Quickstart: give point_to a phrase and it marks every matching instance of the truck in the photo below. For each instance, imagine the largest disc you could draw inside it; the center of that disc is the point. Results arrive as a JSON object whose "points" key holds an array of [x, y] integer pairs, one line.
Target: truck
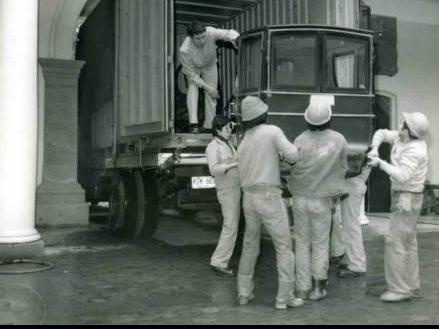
{"points": [[133, 152]]}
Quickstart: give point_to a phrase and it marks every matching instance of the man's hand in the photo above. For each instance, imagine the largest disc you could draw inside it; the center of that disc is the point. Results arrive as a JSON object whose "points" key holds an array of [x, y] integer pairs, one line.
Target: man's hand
{"points": [[373, 153], [374, 161], [212, 92]]}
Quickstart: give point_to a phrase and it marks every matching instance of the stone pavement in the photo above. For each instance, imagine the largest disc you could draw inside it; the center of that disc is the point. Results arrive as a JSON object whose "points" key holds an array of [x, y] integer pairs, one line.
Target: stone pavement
{"points": [[98, 279]]}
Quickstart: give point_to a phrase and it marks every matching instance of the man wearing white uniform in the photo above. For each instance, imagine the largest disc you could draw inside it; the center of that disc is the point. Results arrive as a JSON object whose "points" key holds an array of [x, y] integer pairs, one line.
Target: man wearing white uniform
{"points": [[259, 171], [316, 180], [222, 158], [407, 171], [199, 60]]}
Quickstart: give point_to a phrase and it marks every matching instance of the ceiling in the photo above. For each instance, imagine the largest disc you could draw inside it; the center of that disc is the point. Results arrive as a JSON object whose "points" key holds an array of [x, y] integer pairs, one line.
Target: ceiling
{"points": [[212, 12]]}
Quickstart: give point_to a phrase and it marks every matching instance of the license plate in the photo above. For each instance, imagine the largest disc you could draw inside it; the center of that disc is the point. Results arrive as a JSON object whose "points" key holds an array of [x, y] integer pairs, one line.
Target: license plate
{"points": [[202, 182]]}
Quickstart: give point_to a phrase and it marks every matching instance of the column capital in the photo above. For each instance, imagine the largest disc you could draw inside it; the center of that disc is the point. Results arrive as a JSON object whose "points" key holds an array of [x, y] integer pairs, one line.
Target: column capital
{"points": [[60, 70]]}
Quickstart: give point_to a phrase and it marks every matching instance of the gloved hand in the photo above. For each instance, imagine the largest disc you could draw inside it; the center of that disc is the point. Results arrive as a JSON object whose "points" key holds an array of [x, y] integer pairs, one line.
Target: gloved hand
{"points": [[374, 161]]}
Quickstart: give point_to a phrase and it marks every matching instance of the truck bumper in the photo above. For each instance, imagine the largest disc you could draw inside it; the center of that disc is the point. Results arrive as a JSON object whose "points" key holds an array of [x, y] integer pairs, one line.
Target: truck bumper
{"points": [[198, 199]]}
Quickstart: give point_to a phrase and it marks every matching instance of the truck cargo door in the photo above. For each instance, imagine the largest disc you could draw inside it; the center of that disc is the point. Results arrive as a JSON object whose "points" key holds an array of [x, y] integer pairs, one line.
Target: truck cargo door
{"points": [[142, 82]]}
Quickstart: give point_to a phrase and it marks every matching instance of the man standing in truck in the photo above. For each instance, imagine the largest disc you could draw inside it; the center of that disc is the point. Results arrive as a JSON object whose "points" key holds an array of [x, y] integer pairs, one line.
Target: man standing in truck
{"points": [[407, 171], [199, 60], [259, 171], [222, 159]]}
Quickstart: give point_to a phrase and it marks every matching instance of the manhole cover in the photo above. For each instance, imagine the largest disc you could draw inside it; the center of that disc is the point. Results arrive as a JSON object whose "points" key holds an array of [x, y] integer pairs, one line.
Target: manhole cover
{"points": [[21, 305]]}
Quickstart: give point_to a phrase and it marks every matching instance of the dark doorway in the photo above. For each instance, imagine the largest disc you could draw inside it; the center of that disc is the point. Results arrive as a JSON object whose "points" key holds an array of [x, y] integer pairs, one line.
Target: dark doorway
{"points": [[95, 46], [378, 191]]}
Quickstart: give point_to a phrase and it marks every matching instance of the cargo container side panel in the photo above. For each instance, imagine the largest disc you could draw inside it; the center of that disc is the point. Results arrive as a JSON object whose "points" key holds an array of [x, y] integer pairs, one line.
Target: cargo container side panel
{"points": [[266, 12], [142, 67]]}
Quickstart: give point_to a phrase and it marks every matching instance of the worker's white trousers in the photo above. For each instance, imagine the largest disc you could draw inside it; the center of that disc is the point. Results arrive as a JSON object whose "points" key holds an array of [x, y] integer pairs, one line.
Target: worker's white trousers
{"points": [[401, 263], [355, 255], [266, 208], [312, 225], [210, 76], [337, 245], [230, 201]]}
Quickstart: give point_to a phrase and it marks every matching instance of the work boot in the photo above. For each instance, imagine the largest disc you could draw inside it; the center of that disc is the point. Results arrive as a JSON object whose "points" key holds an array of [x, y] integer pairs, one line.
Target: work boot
{"points": [[336, 260], [318, 292], [416, 293], [194, 128], [244, 300], [303, 294], [225, 271], [291, 301], [347, 273], [394, 297]]}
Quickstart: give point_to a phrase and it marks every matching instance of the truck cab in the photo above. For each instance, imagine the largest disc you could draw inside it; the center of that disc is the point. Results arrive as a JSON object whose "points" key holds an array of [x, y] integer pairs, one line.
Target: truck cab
{"points": [[285, 65]]}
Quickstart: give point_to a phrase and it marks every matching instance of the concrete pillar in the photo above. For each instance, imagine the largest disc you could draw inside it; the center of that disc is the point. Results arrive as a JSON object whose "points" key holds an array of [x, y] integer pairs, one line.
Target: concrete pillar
{"points": [[18, 129], [60, 199]]}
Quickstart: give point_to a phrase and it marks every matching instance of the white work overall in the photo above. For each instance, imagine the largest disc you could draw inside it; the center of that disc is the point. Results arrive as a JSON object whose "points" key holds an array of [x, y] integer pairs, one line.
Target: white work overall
{"points": [[352, 233], [210, 75], [265, 207], [407, 171], [312, 225], [337, 243], [316, 178], [220, 153], [200, 68], [401, 246]]}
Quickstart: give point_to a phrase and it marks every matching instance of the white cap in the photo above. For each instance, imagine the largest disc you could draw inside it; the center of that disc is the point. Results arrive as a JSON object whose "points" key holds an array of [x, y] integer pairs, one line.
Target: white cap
{"points": [[417, 123], [319, 110], [252, 107]]}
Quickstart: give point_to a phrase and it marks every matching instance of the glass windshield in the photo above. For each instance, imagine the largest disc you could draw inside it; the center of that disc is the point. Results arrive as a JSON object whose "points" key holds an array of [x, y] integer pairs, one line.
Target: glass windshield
{"points": [[250, 64], [293, 61], [347, 62]]}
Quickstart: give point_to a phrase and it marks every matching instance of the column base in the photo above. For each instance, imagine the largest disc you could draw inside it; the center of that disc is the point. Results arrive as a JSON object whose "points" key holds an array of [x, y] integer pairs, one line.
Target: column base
{"points": [[61, 205], [28, 250]]}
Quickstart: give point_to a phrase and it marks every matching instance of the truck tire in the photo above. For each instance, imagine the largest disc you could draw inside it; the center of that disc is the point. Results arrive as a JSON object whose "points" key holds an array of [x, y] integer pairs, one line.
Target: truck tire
{"points": [[137, 210], [118, 204], [152, 201]]}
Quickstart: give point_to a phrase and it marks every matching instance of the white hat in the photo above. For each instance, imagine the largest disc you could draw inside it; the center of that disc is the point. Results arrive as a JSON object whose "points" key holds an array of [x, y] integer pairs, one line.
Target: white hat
{"points": [[417, 123], [318, 111], [252, 107]]}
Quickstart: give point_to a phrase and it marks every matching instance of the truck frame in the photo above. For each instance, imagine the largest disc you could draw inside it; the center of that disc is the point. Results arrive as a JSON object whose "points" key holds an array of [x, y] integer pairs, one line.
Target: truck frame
{"points": [[134, 165]]}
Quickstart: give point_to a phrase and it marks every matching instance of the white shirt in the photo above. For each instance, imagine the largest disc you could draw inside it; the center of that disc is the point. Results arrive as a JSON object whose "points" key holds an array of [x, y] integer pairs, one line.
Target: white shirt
{"points": [[193, 58], [219, 154], [258, 155], [409, 161], [322, 165]]}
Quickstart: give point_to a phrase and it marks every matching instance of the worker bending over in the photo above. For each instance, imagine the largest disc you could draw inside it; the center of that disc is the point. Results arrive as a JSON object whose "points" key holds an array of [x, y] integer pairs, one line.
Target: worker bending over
{"points": [[199, 60]]}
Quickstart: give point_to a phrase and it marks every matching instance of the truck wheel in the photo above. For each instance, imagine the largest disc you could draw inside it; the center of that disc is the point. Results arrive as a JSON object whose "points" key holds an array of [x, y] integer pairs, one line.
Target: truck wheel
{"points": [[136, 209], [117, 205], [151, 201]]}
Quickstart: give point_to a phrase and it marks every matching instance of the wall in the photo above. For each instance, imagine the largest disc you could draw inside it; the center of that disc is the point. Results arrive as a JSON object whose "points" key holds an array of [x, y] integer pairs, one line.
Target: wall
{"points": [[57, 22], [416, 84]]}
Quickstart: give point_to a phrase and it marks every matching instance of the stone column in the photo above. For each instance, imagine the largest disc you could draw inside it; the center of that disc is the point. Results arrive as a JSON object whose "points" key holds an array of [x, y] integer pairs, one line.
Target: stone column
{"points": [[60, 199], [18, 129]]}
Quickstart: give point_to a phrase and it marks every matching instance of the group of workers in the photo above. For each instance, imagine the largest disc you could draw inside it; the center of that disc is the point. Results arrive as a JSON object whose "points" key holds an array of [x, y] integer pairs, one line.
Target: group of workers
{"points": [[320, 182], [319, 178]]}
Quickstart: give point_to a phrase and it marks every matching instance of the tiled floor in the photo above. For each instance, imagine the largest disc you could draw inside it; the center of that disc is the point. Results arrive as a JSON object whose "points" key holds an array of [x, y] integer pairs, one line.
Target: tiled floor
{"points": [[97, 279]]}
